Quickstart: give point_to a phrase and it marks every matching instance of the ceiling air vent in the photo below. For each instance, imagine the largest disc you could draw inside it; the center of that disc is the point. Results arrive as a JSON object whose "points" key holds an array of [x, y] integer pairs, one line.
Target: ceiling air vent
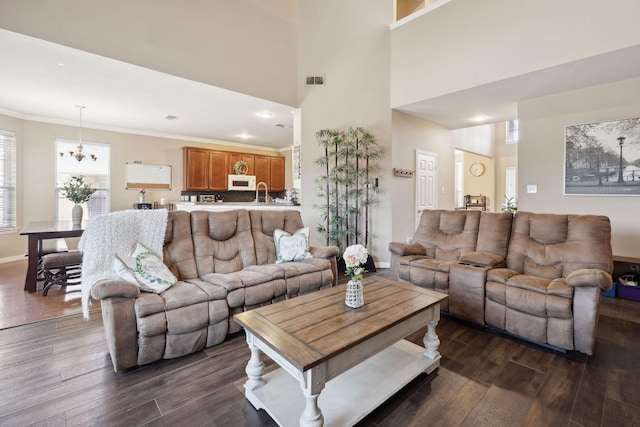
{"points": [[315, 81], [170, 117], [280, 125]]}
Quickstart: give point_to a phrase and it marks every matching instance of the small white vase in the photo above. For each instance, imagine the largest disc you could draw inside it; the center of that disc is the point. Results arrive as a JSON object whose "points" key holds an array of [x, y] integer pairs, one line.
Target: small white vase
{"points": [[355, 296], [76, 215], [141, 198]]}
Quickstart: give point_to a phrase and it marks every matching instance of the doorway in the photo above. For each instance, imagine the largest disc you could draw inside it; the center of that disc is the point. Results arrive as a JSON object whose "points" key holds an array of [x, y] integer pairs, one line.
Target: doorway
{"points": [[426, 183]]}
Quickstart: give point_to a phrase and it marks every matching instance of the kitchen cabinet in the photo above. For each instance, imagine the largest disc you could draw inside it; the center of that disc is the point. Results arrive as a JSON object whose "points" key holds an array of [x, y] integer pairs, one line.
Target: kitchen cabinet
{"points": [[235, 157], [204, 169], [270, 170], [263, 170], [277, 173], [207, 170]]}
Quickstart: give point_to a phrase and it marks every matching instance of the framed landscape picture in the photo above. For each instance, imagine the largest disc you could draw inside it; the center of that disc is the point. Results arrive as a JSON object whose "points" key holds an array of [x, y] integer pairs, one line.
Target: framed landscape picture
{"points": [[603, 158]]}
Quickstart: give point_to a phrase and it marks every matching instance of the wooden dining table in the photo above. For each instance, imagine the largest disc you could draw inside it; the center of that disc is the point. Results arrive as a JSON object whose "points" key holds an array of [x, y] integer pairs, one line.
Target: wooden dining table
{"points": [[37, 232]]}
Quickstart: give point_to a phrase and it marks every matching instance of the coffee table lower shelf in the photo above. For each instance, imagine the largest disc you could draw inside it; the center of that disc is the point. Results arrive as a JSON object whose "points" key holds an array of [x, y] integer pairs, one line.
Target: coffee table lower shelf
{"points": [[349, 397]]}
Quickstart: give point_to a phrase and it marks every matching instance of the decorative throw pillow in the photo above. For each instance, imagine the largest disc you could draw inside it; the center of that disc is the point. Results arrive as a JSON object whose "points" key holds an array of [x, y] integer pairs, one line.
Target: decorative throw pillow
{"points": [[144, 269], [291, 247]]}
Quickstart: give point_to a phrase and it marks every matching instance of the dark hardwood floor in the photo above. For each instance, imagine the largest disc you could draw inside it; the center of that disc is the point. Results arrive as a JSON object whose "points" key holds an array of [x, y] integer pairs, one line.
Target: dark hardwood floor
{"points": [[58, 373]]}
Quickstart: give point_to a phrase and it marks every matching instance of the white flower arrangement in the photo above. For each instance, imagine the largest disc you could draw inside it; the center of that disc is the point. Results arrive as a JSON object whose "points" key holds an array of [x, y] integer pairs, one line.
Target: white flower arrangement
{"points": [[355, 256]]}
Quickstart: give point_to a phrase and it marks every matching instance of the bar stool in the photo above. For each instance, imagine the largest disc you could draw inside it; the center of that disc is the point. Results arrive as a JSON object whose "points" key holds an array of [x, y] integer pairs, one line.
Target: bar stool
{"points": [[61, 268]]}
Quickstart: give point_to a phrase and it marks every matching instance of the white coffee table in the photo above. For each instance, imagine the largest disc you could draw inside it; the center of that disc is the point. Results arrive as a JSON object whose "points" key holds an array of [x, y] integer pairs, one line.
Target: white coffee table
{"points": [[345, 361]]}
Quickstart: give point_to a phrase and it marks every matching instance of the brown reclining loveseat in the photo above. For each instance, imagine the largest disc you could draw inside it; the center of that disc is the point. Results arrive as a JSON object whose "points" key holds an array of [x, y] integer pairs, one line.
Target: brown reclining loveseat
{"points": [[537, 276]]}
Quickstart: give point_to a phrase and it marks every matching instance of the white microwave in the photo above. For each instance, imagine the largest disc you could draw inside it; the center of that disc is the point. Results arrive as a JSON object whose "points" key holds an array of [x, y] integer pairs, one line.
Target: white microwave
{"points": [[242, 183]]}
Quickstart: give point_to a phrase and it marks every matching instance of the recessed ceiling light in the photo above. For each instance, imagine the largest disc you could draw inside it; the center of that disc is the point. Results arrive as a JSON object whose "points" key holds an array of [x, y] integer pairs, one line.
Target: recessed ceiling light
{"points": [[479, 118], [171, 117], [265, 115]]}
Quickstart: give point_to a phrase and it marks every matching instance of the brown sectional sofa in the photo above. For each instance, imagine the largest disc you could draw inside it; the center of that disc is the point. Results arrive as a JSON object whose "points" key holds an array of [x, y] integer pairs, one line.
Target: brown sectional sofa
{"points": [[225, 264], [537, 276]]}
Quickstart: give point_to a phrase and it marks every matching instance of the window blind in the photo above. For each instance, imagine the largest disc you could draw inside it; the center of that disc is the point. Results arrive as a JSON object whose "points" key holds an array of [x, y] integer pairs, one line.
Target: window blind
{"points": [[7, 180]]}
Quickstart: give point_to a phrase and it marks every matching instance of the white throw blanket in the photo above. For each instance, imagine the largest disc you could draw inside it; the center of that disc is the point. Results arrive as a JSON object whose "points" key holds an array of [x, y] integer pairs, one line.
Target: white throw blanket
{"points": [[112, 233]]}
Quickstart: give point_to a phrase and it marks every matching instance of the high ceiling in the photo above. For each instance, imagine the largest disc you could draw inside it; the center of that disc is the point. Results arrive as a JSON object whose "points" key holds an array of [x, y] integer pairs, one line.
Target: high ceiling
{"points": [[498, 101], [46, 81]]}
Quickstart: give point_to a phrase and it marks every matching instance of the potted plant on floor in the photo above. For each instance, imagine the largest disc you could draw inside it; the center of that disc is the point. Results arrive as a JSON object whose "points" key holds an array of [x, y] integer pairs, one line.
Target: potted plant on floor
{"points": [[78, 192], [347, 186]]}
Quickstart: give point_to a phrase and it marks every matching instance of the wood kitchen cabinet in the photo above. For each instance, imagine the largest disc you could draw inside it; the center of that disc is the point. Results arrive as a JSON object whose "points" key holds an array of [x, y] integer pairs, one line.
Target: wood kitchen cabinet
{"points": [[205, 169], [263, 170], [249, 158], [277, 173], [270, 170]]}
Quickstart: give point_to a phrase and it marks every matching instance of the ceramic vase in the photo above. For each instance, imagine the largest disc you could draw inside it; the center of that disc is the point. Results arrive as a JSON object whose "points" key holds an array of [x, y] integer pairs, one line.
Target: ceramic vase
{"points": [[142, 198], [355, 296], [76, 215]]}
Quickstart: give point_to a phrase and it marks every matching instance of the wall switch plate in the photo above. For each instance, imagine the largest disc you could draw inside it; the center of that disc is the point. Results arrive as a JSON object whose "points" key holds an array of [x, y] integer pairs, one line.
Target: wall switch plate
{"points": [[532, 188]]}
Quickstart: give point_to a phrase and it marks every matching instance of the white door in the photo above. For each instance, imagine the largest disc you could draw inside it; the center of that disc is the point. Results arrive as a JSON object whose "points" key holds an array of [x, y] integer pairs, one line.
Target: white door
{"points": [[426, 182]]}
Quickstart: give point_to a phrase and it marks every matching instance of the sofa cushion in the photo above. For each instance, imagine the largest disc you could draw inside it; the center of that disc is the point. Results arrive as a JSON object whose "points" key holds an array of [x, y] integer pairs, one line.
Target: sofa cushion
{"points": [[182, 294], [553, 246], [446, 235], [222, 241], [291, 247], [178, 252]]}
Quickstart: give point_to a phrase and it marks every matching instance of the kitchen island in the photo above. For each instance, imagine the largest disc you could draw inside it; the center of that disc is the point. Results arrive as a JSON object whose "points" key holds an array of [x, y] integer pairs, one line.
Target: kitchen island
{"points": [[227, 206]]}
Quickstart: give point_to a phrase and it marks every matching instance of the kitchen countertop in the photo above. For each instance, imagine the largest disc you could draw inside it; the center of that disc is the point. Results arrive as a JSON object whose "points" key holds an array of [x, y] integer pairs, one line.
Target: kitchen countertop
{"points": [[224, 206]]}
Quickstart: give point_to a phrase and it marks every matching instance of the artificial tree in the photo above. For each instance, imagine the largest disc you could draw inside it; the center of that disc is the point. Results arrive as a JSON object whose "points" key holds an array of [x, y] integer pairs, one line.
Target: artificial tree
{"points": [[349, 165]]}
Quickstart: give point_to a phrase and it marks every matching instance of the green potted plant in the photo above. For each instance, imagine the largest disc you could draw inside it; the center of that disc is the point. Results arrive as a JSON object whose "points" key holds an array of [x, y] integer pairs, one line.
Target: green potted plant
{"points": [[77, 191], [347, 187], [509, 205]]}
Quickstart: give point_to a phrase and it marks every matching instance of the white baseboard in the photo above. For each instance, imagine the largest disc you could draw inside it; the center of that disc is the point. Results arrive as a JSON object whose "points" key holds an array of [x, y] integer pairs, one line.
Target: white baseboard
{"points": [[12, 259], [385, 264]]}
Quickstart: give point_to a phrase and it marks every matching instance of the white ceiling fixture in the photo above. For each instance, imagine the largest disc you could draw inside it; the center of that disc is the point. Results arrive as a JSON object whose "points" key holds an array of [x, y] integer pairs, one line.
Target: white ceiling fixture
{"points": [[128, 98], [78, 154]]}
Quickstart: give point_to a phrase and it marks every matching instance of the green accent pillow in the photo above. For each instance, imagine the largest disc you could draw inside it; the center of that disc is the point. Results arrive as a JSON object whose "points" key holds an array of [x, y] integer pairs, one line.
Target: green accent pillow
{"points": [[144, 269], [291, 247]]}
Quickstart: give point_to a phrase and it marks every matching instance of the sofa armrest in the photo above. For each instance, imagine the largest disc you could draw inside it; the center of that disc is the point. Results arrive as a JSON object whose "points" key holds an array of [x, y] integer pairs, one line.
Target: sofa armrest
{"points": [[590, 277], [403, 249], [398, 250], [483, 259], [330, 253], [114, 289], [118, 300], [324, 251]]}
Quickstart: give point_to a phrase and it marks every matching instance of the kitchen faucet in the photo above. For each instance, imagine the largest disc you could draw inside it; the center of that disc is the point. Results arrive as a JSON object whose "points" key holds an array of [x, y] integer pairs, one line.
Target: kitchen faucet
{"points": [[266, 192]]}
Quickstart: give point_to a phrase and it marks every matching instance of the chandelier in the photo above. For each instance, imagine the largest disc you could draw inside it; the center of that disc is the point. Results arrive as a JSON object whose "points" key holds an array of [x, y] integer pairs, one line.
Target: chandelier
{"points": [[78, 154]]}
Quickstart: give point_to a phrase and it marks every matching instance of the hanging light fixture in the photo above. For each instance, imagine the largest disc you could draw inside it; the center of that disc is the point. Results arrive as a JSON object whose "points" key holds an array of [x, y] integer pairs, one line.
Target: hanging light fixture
{"points": [[78, 154]]}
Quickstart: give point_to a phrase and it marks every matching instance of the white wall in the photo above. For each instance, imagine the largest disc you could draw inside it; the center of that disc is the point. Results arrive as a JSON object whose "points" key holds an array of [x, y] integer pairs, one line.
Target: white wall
{"points": [[469, 43], [247, 46], [36, 168], [541, 156], [506, 155], [410, 134], [348, 43]]}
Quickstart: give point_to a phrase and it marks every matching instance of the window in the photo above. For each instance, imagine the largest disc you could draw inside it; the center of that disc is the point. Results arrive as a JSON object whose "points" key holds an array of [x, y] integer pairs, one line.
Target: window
{"points": [[7, 180], [512, 131], [94, 172]]}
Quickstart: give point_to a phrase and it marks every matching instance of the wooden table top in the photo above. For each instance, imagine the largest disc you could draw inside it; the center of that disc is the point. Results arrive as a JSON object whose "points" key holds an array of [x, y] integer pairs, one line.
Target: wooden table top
{"points": [[313, 328], [52, 227]]}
